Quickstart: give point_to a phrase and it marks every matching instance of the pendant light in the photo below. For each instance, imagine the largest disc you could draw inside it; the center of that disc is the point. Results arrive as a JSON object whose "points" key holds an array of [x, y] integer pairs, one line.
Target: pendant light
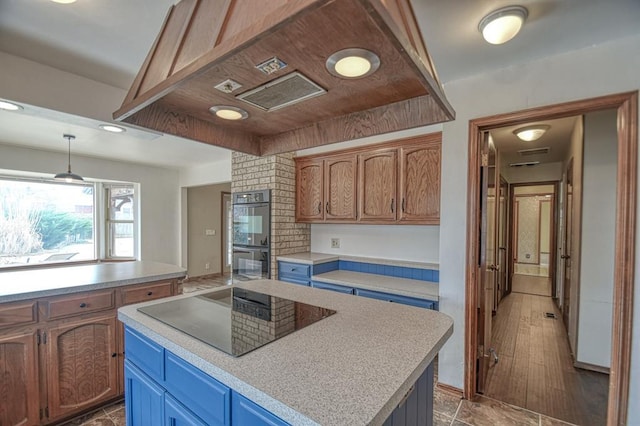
{"points": [[68, 176]]}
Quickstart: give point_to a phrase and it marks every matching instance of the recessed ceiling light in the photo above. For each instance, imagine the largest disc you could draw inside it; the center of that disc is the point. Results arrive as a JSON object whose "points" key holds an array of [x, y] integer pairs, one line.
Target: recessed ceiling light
{"points": [[531, 133], [502, 25], [64, 1], [227, 112], [10, 106], [353, 63], [112, 128]]}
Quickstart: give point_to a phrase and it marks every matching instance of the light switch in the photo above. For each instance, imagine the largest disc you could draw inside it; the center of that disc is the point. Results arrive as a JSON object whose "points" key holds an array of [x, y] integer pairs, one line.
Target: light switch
{"points": [[209, 232]]}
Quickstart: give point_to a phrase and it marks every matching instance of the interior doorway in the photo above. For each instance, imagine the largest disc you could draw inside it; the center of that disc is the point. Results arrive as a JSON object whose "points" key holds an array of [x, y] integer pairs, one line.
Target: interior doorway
{"points": [[623, 268]]}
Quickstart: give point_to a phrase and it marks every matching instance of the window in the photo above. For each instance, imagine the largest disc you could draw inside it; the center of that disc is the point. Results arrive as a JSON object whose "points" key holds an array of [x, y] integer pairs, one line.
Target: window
{"points": [[119, 221], [43, 221]]}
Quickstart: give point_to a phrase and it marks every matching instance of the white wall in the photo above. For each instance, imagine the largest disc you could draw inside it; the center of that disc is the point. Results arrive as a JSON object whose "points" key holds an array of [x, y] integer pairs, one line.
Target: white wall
{"points": [[594, 71], [207, 174], [159, 193], [546, 172], [418, 243], [598, 238]]}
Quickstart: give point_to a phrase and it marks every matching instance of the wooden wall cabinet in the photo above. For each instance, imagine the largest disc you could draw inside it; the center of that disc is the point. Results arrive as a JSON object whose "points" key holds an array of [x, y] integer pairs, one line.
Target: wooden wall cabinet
{"points": [[395, 183], [326, 189], [62, 355]]}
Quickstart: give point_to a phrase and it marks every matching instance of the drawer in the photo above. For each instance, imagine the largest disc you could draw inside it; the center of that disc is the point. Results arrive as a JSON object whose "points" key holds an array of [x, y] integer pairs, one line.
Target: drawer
{"points": [[295, 280], [205, 396], [294, 269], [405, 300], [332, 287], [246, 412], [19, 313], [147, 292], [78, 304], [145, 354]]}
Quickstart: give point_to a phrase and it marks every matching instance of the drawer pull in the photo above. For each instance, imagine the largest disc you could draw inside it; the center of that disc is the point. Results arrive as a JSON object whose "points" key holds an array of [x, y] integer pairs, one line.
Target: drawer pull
{"points": [[149, 293], [83, 305], [113, 355]]}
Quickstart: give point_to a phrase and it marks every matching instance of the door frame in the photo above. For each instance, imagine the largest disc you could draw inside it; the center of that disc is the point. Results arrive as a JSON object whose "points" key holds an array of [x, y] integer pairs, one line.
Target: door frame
{"points": [[223, 248], [625, 231]]}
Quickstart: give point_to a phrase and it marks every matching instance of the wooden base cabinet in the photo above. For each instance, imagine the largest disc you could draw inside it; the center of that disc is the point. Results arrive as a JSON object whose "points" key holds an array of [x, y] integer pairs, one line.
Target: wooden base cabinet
{"points": [[19, 387], [82, 365]]}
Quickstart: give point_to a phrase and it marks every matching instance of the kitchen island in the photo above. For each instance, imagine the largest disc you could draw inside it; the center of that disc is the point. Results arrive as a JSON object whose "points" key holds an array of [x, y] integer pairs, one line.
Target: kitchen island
{"points": [[353, 367]]}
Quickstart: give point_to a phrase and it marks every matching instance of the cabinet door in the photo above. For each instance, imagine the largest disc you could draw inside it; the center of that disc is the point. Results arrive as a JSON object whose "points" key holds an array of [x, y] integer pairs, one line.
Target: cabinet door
{"points": [[377, 191], [19, 379], [82, 365], [420, 184], [245, 412], [176, 414], [309, 190], [340, 187], [144, 399]]}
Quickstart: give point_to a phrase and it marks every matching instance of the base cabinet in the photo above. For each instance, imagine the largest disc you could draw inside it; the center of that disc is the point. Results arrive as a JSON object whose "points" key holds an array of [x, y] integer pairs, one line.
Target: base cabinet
{"points": [[246, 412], [176, 414], [144, 399], [19, 379]]}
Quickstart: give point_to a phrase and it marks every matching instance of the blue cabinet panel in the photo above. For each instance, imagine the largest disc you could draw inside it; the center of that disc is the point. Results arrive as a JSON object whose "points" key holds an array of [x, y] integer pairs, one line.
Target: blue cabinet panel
{"points": [[176, 414], [421, 303], [145, 354], [332, 287], [294, 269], [245, 412], [143, 398], [205, 396], [294, 280], [321, 268], [416, 409]]}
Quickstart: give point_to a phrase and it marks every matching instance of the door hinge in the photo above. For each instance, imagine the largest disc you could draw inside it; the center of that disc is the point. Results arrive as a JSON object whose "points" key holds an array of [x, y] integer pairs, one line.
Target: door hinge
{"points": [[480, 351], [484, 160]]}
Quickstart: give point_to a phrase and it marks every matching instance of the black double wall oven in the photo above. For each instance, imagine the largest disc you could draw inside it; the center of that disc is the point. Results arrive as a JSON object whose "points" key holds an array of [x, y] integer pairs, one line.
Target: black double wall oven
{"points": [[251, 235]]}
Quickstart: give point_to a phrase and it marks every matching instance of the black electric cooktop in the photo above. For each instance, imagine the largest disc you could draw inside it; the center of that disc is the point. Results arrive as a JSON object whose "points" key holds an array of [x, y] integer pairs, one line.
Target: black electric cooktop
{"points": [[236, 320]]}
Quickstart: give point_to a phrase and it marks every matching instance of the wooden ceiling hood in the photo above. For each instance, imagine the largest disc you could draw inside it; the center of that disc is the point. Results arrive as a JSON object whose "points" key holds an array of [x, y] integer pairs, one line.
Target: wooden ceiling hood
{"points": [[205, 43]]}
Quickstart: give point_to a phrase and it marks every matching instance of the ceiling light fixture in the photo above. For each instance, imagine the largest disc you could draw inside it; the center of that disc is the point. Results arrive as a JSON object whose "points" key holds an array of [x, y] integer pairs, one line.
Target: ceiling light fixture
{"points": [[10, 106], [227, 112], [502, 25], [112, 128], [531, 133], [353, 63], [64, 1], [68, 176]]}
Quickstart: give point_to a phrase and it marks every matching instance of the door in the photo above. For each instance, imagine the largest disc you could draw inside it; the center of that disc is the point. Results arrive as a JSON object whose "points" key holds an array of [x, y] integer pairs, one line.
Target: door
{"points": [[420, 183], [176, 414], [309, 190], [82, 365], [19, 379], [502, 240], [487, 261], [567, 244], [340, 187], [377, 191], [144, 399], [227, 232]]}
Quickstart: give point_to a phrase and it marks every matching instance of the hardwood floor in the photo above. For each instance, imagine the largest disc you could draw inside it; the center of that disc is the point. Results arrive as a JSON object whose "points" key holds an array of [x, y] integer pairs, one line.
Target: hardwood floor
{"points": [[531, 284], [535, 369]]}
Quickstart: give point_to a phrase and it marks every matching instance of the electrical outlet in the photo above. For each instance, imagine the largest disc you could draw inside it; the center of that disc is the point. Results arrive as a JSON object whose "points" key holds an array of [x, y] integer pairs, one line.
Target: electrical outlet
{"points": [[335, 243], [209, 232], [207, 266]]}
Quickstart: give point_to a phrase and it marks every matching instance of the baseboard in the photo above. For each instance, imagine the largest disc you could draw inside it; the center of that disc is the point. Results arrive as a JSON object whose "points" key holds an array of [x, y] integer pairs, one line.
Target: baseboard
{"points": [[450, 389], [591, 367]]}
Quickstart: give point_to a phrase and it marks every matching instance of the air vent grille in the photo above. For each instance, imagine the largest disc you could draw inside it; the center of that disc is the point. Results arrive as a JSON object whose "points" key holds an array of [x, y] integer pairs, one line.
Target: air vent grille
{"points": [[282, 92], [534, 151], [529, 163]]}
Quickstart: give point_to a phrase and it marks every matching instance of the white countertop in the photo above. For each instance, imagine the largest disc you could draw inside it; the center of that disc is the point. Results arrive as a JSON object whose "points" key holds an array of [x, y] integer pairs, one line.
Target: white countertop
{"points": [[394, 285], [313, 258], [353, 367], [44, 282]]}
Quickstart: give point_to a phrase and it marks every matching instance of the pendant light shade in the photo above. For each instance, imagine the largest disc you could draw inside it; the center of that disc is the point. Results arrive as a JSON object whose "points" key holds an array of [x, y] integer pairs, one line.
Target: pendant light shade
{"points": [[68, 176]]}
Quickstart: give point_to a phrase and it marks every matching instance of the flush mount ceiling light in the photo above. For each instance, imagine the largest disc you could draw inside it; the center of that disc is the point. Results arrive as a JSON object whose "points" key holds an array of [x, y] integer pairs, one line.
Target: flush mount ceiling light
{"points": [[353, 63], [9, 106], [227, 112], [64, 1], [502, 25], [68, 176], [112, 128], [531, 133]]}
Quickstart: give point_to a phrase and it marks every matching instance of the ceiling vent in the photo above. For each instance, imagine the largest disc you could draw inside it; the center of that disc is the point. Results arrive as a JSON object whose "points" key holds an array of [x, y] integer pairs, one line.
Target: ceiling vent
{"points": [[529, 163], [282, 92], [534, 151]]}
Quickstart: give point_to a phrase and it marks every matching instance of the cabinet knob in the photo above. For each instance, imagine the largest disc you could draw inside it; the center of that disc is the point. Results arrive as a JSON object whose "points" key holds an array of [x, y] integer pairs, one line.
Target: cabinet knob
{"points": [[113, 355], [83, 305], [319, 207], [149, 293]]}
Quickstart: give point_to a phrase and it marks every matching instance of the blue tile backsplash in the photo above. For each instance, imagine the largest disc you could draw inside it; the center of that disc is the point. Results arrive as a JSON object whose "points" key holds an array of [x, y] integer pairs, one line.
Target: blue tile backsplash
{"points": [[374, 268]]}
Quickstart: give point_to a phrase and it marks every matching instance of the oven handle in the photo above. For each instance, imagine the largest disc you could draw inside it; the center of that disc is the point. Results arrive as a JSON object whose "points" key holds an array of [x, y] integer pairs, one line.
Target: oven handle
{"points": [[249, 249]]}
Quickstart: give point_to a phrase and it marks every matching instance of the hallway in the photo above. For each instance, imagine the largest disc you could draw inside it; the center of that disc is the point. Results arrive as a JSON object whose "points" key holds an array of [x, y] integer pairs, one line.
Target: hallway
{"points": [[535, 368]]}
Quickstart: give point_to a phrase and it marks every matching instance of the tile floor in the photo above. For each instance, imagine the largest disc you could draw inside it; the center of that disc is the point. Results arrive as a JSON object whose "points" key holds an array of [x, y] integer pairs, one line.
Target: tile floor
{"points": [[449, 409]]}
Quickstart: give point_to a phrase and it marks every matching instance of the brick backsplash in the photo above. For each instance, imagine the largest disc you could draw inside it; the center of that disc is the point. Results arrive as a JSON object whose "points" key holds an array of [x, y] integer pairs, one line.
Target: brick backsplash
{"points": [[277, 173]]}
